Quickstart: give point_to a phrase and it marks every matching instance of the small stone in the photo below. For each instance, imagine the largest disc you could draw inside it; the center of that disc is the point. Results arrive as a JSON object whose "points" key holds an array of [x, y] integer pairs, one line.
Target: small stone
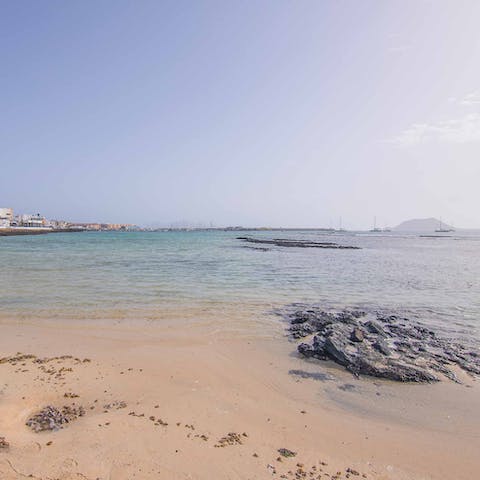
{"points": [[70, 395], [352, 471], [357, 335], [285, 452]]}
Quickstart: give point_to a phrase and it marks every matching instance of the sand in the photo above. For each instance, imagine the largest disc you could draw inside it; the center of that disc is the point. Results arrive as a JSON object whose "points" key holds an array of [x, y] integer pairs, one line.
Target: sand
{"points": [[196, 401]]}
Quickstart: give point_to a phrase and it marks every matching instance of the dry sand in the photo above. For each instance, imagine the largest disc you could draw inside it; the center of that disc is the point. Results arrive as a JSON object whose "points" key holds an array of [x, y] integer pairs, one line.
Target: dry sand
{"points": [[187, 386]]}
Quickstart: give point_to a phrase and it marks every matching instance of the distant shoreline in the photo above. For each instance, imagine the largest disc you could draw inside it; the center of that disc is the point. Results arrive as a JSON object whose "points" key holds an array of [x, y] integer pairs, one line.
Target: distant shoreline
{"points": [[6, 232], [9, 232]]}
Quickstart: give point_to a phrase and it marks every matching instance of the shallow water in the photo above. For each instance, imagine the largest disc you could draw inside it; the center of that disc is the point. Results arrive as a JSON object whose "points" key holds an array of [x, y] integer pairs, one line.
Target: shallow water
{"points": [[155, 275]]}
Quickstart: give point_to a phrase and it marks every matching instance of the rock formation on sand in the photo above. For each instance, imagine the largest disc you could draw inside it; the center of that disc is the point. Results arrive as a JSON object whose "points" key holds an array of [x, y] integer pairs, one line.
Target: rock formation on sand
{"points": [[386, 346]]}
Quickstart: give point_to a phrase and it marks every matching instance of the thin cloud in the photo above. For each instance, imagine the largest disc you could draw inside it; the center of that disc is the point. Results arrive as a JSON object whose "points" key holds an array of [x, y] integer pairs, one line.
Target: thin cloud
{"points": [[473, 98], [399, 49], [460, 130]]}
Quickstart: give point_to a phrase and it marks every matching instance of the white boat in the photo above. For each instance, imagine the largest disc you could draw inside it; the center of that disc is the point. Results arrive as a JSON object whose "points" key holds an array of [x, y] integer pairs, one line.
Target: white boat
{"points": [[375, 228], [442, 229]]}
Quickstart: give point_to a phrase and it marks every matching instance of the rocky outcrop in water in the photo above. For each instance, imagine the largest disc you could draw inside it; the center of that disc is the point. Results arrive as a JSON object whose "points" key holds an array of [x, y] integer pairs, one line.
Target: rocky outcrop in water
{"points": [[283, 242], [386, 346]]}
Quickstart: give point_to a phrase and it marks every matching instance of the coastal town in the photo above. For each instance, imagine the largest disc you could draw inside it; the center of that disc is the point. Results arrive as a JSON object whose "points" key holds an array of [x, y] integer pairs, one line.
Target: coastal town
{"points": [[32, 224]]}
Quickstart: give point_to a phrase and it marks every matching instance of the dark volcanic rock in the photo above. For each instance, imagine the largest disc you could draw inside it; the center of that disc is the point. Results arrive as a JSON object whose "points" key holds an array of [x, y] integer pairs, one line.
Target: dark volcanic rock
{"points": [[357, 335], [284, 242], [337, 348], [389, 347], [302, 330], [375, 327], [306, 350], [381, 346]]}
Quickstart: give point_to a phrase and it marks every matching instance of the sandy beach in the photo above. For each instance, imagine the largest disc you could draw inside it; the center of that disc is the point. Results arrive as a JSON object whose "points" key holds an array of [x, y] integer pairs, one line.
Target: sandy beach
{"points": [[240, 240], [193, 401]]}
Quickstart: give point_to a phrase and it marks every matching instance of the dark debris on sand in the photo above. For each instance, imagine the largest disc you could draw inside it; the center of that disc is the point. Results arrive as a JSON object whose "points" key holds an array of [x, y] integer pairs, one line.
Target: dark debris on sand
{"points": [[231, 439], [51, 418]]}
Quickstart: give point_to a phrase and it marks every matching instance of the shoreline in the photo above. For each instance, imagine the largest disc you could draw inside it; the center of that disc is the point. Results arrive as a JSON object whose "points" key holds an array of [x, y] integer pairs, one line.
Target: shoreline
{"points": [[10, 232], [219, 383]]}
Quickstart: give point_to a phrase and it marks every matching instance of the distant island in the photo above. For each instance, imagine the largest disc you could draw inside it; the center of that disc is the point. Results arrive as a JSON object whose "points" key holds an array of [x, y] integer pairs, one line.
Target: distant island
{"points": [[423, 225]]}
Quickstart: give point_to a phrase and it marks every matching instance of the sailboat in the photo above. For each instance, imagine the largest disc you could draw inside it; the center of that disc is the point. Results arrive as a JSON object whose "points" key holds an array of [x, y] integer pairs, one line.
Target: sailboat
{"points": [[340, 226], [375, 228], [442, 229]]}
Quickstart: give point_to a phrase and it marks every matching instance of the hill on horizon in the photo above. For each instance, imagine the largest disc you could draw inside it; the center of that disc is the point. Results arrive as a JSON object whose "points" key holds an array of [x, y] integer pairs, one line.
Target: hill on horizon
{"points": [[421, 225]]}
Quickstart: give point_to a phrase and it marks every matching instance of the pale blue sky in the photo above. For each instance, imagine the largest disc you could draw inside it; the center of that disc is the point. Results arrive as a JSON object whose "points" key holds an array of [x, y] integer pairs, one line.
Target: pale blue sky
{"points": [[281, 113]]}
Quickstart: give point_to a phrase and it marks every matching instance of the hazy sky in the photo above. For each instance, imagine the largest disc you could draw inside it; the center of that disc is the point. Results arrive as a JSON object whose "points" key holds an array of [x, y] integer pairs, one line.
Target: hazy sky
{"points": [[281, 113]]}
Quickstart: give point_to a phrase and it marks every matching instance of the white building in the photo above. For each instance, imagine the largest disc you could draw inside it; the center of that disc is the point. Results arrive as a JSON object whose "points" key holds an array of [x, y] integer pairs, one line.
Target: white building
{"points": [[6, 217], [33, 221]]}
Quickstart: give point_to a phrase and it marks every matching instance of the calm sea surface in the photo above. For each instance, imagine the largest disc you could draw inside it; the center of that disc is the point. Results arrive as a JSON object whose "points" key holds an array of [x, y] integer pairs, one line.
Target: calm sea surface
{"points": [[160, 274]]}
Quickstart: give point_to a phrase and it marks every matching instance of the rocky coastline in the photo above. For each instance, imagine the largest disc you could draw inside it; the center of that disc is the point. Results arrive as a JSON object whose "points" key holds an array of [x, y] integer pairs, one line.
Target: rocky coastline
{"points": [[380, 345]]}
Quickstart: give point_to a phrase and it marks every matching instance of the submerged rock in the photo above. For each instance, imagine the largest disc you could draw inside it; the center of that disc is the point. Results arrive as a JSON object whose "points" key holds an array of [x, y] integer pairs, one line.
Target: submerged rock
{"points": [[285, 242], [382, 346]]}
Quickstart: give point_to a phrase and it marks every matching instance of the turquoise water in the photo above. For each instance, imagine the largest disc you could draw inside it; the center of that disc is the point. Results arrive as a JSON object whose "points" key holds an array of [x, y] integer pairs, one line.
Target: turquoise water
{"points": [[156, 275]]}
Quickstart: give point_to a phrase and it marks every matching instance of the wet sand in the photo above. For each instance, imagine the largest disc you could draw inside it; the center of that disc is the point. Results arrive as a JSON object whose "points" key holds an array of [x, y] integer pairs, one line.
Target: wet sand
{"points": [[197, 401]]}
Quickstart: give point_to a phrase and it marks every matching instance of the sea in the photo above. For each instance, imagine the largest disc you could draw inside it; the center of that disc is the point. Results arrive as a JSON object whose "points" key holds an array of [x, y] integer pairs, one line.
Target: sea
{"points": [[203, 275]]}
